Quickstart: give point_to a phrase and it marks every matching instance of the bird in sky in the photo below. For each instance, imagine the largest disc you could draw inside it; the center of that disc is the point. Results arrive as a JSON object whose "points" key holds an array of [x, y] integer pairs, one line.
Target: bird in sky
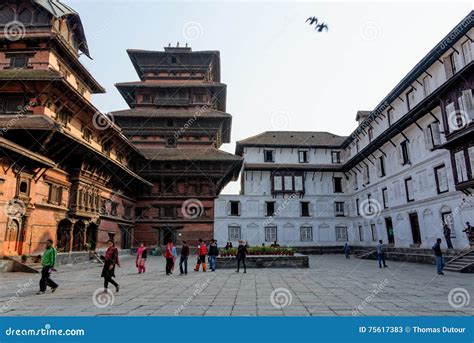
{"points": [[318, 27]]}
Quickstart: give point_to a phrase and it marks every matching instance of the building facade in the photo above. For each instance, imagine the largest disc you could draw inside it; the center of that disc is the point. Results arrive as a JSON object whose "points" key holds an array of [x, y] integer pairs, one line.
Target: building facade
{"points": [[405, 171], [69, 172]]}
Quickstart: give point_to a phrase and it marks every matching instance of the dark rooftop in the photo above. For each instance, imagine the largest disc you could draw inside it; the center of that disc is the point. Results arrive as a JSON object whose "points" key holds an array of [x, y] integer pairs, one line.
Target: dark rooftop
{"points": [[173, 154]]}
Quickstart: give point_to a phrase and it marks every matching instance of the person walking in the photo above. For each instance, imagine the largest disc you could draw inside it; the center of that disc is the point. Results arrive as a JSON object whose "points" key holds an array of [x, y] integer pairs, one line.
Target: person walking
{"points": [[241, 254], [213, 253], [48, 261], [142, 254], [184, 259], [469, 231], [447, 236], [346, 250], [108, 271], [381, 254], [169, 257], [202, 252], [439, 256]]}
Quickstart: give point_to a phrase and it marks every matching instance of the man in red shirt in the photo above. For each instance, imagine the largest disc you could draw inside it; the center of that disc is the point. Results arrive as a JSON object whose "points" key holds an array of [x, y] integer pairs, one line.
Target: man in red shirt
{"points": [[202, 252], [169, 257]]}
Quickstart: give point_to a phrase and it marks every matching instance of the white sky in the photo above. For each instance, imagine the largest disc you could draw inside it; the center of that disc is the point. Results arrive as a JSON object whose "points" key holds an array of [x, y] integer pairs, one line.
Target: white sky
{"points": [[280, 73]]}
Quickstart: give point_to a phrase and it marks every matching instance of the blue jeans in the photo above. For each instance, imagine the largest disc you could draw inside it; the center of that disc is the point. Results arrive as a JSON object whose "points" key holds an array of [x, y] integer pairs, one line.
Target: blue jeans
{"points": [[381, 258], [439, 264], [212, 262]]}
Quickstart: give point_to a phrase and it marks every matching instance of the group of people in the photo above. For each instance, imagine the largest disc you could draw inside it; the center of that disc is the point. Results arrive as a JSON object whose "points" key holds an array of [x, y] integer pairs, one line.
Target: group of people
{"points": [[111, 258]]}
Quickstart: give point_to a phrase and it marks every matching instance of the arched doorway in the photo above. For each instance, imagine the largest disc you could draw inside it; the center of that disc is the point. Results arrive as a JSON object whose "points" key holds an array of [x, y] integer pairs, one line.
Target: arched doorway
{"points": [[78, 236], [91, 235], [12, 236], [63, 236]]}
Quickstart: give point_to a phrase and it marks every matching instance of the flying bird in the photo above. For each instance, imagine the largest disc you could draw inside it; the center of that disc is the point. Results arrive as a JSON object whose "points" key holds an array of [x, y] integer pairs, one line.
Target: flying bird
{"points": [[318, 27]]}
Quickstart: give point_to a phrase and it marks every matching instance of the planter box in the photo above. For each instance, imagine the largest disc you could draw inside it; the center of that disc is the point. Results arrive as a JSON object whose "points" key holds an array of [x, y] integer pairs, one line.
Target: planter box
{"points": [[266, 261]]}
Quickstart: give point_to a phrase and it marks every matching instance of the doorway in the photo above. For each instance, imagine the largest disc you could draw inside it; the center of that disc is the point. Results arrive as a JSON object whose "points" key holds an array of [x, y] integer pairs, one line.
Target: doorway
{"points": [[12, 237], [390, 234], [167, 233], [415, 228], [91, 236]]}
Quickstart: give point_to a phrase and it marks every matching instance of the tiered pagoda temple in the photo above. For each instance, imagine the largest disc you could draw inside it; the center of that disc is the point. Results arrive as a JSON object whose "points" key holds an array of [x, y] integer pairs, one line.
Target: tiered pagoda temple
{"points": [[177, 120]]}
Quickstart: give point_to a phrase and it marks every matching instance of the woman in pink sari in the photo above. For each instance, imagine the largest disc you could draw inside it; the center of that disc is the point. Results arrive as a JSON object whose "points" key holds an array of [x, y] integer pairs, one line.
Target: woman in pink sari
{"points": [[141, 258]]}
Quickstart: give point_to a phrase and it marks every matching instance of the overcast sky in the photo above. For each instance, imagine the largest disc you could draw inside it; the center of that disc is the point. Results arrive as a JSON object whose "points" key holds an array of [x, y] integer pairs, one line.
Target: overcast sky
{"points": [[280, 73]]}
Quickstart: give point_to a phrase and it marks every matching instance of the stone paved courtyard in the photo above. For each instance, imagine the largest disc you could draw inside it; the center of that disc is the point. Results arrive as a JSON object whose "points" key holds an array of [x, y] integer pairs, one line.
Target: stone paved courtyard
{"points": [[333, 286]]}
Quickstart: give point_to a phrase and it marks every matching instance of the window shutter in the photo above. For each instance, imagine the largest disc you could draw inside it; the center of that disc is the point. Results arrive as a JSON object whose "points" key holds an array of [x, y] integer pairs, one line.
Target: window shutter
{"points": [[379, 167], [228, 208], [427, 135], [436, 134], [468, 103], [448, 68]]}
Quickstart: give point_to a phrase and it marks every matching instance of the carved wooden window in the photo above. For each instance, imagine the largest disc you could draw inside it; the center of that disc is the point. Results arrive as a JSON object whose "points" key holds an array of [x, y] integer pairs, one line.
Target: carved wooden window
{"points": [[55, 194]]}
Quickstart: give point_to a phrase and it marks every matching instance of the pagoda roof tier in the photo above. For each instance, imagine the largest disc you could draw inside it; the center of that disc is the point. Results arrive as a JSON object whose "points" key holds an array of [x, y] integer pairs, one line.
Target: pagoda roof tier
{"points": [[44, 123], [196, 154], [60, 10], [143, 112], [24, 153], [30, 75], [146, 61], [128, 89]]}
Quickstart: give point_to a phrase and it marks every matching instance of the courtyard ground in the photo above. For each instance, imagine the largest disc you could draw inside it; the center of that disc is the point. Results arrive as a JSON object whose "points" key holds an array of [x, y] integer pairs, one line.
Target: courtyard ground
{"points": [[332, 286]]}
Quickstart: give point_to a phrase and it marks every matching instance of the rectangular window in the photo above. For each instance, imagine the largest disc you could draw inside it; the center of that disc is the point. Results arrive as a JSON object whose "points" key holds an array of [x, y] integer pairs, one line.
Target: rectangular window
{"points": [[452, 61], [304, 209], [303, 156], [356, 182], [168, 212], [127, 212], [390, 118], [341, 234], [357, 207], [404, 155], [373, 231], [466, 104], [381, 166], [336, 157], [426, 85], [369, 204], [441, 179], [234, 208], [409, 189], [306, 233], [278, 183], [268, 156], [269, 208], [361, 233], [337, 181], [234, 233], [366, 175], [385, 197], [461, 168], [432, 136], [339, 209], [410, 98], [19, 62], [371, 134], [55, 194], [467, 52], [140, 212], [171, 142], [288, 182], [298, 183], [113, 208], [270, 234]]}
